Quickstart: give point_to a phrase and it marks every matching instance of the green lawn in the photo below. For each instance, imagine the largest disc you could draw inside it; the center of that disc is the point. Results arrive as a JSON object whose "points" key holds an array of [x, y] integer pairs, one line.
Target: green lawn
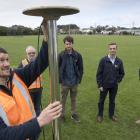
{"points": [[92, 49]]}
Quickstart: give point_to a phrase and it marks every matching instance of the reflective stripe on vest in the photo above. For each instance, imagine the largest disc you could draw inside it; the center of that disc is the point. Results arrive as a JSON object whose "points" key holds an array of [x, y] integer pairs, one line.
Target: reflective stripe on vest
{"points": [[25, 95], [18, 108], [4, 116]]}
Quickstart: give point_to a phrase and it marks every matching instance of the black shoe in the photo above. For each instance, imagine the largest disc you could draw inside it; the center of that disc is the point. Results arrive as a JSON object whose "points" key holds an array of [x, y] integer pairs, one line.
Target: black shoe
{"points": [[114, 119], [99, 119], [62, 118], [75, 118]]}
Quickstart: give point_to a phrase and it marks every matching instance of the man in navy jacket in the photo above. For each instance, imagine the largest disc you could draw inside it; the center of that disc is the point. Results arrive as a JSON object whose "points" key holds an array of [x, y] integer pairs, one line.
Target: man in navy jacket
{"points": [[110, 72], [70, 72]]}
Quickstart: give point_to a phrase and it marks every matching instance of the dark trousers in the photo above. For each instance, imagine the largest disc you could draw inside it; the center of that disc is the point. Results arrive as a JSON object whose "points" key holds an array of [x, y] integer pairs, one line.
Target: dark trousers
{"points": [[112, 94], [73, 94], [36, 98]]}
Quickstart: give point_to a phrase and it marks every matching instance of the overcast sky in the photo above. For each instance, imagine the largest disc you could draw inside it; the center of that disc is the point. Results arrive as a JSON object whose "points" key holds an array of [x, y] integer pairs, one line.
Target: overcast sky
{"points": [[124, 13]]}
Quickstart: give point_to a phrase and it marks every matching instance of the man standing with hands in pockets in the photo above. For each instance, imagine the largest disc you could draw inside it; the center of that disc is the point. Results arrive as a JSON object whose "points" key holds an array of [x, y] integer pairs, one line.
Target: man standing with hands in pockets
{"points": [[110, 72]]}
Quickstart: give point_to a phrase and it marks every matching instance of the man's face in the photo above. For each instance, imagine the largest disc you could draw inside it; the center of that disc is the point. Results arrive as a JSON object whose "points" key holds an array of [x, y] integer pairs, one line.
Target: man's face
{"points": [[31, 54], [112, 49], [4, 65], [68, 45]]}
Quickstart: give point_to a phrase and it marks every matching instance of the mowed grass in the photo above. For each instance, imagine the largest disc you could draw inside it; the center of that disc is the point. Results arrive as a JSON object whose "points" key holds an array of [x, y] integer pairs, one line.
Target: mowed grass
{"points": [[92, 49]]}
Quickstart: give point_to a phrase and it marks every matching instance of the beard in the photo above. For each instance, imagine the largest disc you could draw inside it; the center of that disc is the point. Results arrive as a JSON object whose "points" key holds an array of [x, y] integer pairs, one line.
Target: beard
{"points": [[5, 72]]}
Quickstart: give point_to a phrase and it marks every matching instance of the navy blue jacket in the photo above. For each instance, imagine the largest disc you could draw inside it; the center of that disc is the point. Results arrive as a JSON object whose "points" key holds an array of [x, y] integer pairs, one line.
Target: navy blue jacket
{"points": [[28, 74], [109, 75], [77, 63]]}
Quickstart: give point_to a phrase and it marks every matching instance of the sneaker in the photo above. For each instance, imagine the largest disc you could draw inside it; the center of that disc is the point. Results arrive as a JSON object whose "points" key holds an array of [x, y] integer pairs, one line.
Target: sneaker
{"points": [[75, 117], [99, 119], [62, 118], [114, 119]]}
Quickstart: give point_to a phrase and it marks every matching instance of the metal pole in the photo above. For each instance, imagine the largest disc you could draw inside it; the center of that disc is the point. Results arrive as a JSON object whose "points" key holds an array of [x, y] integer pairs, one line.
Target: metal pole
{"points": [[139, 74], [69, 29], [53, 71], [52, 14]]}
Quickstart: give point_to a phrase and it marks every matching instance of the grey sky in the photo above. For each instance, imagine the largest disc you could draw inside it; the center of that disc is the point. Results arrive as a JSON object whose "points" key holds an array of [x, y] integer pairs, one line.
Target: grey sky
{"points": [[92, 12]]}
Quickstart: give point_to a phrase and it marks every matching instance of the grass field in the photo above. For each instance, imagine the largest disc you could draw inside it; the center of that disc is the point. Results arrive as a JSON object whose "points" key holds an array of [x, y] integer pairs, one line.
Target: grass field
{"points": [[92, 49]]}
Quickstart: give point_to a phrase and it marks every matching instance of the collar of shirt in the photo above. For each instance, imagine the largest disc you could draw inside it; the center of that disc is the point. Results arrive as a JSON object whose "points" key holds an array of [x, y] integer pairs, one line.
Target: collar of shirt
{"points": [[112, 59]]}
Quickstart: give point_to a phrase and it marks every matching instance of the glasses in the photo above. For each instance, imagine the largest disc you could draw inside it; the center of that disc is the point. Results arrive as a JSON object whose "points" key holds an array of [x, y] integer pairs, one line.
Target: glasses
{"points": [[31, 53]]}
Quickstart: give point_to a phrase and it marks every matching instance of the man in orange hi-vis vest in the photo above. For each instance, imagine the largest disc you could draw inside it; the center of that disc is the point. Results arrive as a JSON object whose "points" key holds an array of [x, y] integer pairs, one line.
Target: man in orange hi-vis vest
{"points": [[18, 120], [35, 89]]}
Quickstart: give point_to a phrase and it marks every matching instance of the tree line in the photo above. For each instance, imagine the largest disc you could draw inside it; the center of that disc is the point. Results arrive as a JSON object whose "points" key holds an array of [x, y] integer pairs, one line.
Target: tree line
{"points": [[62, 29], [17, 30], [22, 30]]}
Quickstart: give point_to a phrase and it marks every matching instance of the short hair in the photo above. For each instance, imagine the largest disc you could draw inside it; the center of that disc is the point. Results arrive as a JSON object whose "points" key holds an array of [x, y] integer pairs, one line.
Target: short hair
{"points": [[30, 47], [69, 39], [2, 50], [113, 43]]}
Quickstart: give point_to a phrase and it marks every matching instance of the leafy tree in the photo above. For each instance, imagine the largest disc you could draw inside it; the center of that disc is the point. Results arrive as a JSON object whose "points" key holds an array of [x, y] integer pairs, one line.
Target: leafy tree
{"points": [[3, 30]]}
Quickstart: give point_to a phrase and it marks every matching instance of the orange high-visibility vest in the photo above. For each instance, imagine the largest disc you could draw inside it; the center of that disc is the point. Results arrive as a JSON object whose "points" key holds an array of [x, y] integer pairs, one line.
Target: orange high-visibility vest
{"points": [[16, 109], [37, 82]]}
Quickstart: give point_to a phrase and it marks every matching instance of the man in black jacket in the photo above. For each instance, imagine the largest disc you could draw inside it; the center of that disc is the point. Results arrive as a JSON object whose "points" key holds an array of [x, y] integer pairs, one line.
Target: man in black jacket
{"points": [[31, 128], [71, 72], [110, 72]]}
